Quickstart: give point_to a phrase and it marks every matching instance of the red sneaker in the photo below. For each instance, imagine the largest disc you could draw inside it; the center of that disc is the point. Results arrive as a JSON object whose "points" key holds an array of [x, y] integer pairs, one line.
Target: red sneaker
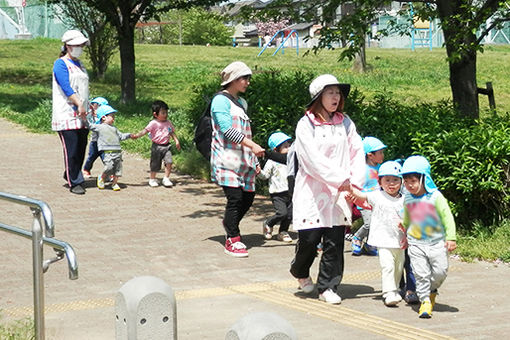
{"points": [[234, 247]]}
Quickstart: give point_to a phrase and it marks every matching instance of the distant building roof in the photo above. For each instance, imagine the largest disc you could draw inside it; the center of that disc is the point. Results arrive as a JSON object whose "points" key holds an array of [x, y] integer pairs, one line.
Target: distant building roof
{"points": [[299, 26]]}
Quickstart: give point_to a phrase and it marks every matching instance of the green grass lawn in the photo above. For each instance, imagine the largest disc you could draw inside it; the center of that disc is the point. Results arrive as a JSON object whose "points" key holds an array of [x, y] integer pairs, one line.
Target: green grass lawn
{"points": [[171, 73]]}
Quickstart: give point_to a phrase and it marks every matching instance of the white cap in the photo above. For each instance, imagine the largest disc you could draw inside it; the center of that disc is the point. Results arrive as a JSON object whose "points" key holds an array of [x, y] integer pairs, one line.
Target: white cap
{"points": [[233, 71], [321, 82], [74, 38]]}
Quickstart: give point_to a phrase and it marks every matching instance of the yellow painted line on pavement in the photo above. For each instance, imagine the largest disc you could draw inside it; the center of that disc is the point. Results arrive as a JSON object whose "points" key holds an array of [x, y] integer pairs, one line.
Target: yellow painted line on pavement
{"points": [[273, 292]]}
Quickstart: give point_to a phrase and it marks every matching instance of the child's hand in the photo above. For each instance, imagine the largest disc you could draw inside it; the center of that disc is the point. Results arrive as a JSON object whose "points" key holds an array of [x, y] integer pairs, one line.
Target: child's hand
{"points": [[178, 145], [403, 241], [258, 169], [133, 136], [350, 198], [451, 245]]}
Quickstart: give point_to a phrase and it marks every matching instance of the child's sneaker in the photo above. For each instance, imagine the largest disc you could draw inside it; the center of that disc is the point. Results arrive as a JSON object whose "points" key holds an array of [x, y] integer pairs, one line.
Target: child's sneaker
{"points": [[153, 182], [329, 296], [234, 247], [115, 187], [267, 231], [411, 298], [392, 299], [100, 182], [425, 310], [356, 246], [284, 237], [167, 182], [370, 250], [86, 174], [306, 285]]}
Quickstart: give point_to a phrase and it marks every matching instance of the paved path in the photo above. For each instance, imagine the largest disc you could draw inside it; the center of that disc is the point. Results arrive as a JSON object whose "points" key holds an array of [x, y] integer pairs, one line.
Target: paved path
{"points": [[176, 234]]}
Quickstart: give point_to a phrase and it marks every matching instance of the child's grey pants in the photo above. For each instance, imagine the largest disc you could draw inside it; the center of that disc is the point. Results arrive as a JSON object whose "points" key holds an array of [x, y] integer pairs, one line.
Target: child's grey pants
{"points": [[430, 267], [363, 231]]}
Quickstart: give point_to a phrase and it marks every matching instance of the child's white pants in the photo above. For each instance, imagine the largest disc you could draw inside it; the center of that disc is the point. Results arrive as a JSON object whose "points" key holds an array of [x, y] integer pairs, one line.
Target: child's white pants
{"points": [[430, 267], [392, 262]]}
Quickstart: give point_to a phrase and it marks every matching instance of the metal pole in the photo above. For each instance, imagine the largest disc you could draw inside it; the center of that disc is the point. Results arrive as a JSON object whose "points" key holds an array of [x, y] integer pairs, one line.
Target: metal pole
{"points": [[37, 260]]}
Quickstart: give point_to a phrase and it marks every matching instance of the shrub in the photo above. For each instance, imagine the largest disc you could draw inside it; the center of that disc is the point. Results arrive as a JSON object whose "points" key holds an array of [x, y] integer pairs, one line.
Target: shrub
{"points": [[471, 166]]}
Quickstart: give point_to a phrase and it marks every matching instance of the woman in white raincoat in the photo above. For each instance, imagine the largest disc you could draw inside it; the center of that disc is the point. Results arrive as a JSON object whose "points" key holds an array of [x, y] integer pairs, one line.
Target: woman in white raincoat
{"points": [[331, 159]]}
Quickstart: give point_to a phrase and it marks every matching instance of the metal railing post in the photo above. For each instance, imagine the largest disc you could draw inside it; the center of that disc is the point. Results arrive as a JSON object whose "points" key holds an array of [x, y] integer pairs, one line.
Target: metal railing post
{"points": [[37, 260]]}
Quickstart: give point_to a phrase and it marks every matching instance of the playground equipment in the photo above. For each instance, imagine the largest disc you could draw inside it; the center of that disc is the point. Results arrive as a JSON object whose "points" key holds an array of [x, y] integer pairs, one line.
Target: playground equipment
{"points": [[19, 7], [421, 32], [283, 39]]}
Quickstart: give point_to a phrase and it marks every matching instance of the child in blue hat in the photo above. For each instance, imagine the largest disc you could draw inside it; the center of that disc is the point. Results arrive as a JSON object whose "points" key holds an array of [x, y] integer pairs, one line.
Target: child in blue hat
{"points": [[374, 156], [108, 142], [386, 232], [94, 152], [276, 173], [430, 231]]}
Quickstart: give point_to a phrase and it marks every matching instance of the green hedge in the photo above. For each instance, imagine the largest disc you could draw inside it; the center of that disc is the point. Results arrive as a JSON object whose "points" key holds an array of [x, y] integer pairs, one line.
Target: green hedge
{"points": [[470, 160]]}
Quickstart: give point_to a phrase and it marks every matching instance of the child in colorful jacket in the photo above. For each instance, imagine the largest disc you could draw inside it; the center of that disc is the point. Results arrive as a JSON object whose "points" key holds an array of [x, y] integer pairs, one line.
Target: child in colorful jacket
{"points": [[430, 231]]}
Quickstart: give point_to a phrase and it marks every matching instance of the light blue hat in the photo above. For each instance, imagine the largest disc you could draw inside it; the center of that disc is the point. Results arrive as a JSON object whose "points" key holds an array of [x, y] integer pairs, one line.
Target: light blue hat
{"points": [[372, 144], [104, 110], [419, 165], [100, 101], [390, 168], [276, 139]]}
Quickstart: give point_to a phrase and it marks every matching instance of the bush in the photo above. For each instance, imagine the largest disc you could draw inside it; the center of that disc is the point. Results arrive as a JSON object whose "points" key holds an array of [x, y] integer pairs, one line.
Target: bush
{"points": [[471, 166]]}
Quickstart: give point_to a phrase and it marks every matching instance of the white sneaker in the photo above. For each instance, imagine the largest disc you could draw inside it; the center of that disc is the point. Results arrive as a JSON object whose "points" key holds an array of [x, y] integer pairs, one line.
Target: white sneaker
{"points": [[392, 299], [167, 182], [306, 285], [284, 237], [153, 183], [329, 296]]}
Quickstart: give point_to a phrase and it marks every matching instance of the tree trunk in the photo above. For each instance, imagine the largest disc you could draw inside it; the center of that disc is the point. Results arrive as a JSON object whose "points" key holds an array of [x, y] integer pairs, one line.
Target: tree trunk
{"points": [[462, 63], [360, 60], [127, 63], [463, 85]]}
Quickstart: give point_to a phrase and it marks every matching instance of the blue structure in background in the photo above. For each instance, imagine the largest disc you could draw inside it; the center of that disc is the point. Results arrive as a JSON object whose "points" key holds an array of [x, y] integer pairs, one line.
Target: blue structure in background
{"points": [[421, 32], [283, 41]]}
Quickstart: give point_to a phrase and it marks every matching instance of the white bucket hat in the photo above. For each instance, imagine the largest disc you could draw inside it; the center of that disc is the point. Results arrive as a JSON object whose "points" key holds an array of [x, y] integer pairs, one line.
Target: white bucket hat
{"points": [[233, 71], [321, 82], [74, 38]]}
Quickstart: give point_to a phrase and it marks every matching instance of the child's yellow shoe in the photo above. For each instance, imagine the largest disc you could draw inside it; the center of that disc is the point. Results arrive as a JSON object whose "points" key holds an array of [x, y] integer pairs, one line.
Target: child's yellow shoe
{"points": [[115, 187], [425, 310]]}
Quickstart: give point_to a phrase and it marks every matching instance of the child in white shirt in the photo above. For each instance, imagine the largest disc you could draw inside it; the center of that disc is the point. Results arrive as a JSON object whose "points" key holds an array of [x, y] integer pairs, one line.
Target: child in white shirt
{"points": [[386, 232], [276, 173]]}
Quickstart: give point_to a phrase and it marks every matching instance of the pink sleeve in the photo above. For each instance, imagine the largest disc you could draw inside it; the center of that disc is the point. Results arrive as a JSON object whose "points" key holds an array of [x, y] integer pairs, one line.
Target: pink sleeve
{"points": [[150, 126], [357, 156], [172, 128]]}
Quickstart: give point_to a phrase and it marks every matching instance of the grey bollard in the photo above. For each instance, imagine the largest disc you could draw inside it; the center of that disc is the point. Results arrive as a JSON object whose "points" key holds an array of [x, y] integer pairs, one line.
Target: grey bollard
{"points": [[261, 326], [145, 309]]}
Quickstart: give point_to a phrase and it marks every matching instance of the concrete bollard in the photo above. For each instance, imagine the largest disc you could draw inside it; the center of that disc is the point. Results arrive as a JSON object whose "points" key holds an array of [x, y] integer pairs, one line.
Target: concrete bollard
{"points": [[261, 326], [145, 309]]}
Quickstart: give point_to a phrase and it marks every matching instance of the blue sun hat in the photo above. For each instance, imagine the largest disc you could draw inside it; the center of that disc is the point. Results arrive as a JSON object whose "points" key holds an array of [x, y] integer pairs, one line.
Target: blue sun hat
{"points": [[419, 165], [100, 101], [276, 139], [390, 168], [372, 144], [104, 110]]}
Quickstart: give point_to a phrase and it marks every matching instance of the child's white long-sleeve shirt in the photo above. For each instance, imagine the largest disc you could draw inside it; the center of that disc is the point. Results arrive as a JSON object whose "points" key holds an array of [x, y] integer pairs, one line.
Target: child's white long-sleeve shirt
{"points": [[276, 173]]}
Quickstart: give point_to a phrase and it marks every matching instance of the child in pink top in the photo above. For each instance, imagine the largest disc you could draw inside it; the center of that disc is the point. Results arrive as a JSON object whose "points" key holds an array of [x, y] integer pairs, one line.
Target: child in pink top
{"points": [[160, 129]]}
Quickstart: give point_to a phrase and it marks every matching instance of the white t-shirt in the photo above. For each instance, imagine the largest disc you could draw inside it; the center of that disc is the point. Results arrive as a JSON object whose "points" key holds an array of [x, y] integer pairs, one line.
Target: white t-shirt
{"points": [[387, 213]]}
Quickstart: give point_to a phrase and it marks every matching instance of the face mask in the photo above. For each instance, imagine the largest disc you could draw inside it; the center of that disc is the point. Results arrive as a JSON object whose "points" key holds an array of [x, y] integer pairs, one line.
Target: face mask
{"points": [[76, 51]]}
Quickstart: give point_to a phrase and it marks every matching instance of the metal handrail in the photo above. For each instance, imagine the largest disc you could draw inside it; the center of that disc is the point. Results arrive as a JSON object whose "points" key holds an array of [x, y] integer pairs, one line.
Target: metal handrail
{"points": [[32, 203], [61, 248]]}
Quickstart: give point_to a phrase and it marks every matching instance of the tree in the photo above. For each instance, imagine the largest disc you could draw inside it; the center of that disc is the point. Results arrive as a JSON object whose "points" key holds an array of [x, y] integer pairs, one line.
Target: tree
{"points": [[123, 16], [464, 24], [103, 42]]}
